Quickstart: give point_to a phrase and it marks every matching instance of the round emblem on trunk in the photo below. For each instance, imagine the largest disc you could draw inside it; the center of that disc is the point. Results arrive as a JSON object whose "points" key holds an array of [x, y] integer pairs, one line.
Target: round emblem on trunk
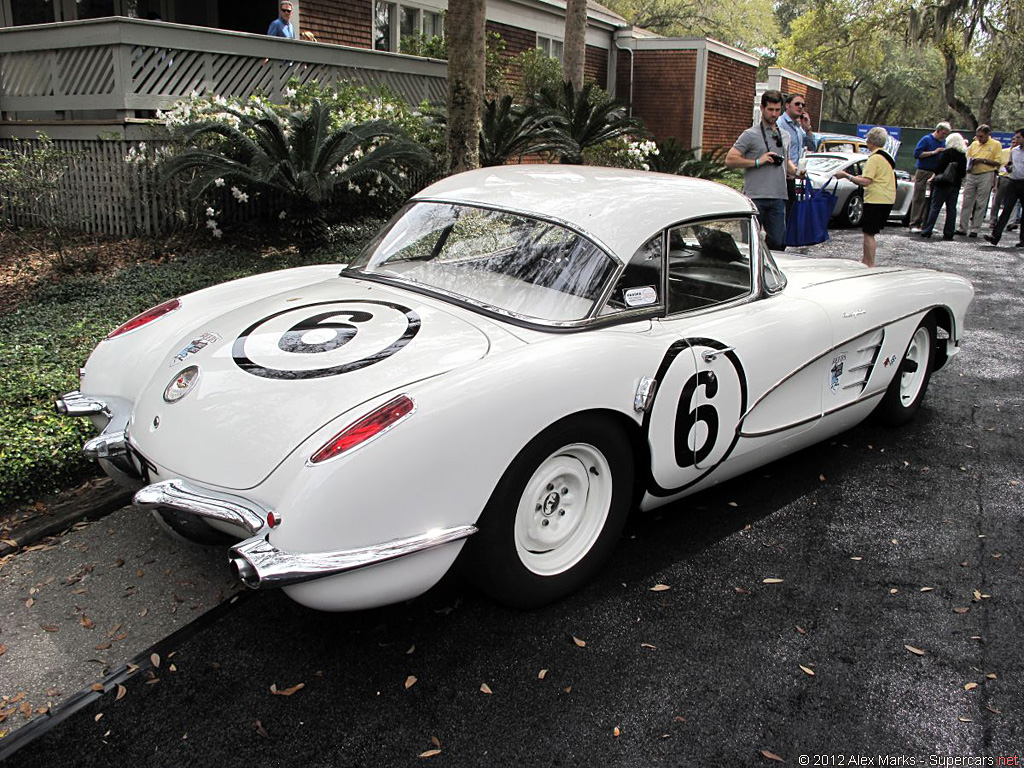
{"points": [[183, 382]]}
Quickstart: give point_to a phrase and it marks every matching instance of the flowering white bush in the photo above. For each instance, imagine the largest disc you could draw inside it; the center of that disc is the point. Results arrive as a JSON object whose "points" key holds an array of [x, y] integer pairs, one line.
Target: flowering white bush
{"points": [[622, 152]]}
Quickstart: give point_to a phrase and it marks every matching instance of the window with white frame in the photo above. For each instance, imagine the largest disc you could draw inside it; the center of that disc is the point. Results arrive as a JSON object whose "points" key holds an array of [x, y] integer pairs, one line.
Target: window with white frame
{"points": [[551, 46], [394, 21]]}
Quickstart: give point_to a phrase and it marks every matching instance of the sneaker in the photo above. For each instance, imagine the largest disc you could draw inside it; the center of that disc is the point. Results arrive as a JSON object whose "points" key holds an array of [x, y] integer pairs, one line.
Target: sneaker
{"points": [[991, 239], [960, 232], [1011, 227], [973, 234], [926, 234], [914, 230]]}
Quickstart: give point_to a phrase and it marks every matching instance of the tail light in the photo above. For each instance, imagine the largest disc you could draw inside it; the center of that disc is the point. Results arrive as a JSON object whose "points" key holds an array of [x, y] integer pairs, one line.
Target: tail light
{"points": [[148, 316], [368, 427]]}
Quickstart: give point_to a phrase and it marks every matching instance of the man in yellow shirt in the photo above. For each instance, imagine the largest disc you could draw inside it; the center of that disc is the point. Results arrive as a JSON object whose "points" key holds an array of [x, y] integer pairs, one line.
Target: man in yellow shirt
{"points": [[879, 182], [983, 158]]}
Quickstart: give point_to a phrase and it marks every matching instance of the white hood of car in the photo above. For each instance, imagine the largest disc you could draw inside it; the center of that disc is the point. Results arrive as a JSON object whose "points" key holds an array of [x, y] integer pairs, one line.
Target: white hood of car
{"points": [[274, 371]]}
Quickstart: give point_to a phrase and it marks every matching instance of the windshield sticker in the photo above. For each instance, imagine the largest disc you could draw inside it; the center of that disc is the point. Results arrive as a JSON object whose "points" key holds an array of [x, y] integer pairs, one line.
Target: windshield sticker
{"points": [[194, 346], [836, 372], [641, 297], [326, 338]]}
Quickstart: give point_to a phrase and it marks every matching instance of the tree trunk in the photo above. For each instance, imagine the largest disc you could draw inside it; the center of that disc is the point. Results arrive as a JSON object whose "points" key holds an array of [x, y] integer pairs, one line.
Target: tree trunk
{"points": [[466, 76], [575, 49], [988, 101], [949, 88]]}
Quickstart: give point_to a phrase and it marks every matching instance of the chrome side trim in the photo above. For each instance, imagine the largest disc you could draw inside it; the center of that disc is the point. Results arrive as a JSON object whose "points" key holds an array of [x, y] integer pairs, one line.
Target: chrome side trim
{"points": [[182, 496], [74, 403], [259, 564], [105, 445]]}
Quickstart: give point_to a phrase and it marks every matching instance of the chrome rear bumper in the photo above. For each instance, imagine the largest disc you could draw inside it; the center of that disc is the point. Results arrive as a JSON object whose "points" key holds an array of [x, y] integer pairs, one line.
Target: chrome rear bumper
{"points": [[187, 498], [257, 562]]}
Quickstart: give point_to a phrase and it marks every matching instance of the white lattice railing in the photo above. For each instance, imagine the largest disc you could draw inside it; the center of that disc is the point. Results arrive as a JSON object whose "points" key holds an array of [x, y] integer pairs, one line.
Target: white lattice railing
{"points": [[125, 65]]}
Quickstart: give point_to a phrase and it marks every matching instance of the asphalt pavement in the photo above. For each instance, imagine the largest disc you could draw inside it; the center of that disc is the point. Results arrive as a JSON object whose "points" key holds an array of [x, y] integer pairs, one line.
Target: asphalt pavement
{"points": [[862, 598]]}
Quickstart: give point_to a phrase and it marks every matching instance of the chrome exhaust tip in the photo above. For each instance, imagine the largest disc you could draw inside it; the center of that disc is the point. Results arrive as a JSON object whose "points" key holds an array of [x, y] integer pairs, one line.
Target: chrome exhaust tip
{"points": [[244, 571]]}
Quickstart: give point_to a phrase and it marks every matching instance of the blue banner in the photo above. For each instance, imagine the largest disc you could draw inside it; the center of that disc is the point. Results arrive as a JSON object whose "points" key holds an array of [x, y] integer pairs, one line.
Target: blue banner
{"points": [[1003, 138], [892, 146]]}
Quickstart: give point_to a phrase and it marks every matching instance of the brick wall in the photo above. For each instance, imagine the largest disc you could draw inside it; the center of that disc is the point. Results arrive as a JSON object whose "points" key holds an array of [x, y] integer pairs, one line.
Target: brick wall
{"points": [[516, 40], [663, 87], [348, 23], [811, 95], [595, 66], [730, 92]]}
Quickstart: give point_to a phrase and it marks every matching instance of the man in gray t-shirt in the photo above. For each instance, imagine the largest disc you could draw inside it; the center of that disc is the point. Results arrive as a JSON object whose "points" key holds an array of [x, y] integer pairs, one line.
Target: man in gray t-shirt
{"points": [[762, 151]]}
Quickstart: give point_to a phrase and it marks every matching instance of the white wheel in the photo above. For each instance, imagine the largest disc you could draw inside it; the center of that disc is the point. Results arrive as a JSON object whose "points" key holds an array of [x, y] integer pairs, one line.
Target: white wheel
{"points": [[919, 353], [563, 509], [906, 390], [555, 516]]}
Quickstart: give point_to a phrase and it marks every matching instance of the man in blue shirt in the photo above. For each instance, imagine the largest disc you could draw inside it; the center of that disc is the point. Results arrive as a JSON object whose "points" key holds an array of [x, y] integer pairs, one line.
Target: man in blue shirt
{"points": [[796, 121], [927, 153], [282, 25]]}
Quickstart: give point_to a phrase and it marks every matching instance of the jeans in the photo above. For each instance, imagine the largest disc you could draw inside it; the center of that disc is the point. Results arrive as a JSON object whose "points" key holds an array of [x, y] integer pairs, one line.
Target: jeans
{"points": [[772, 213], [1014, 194], [942, 194]]}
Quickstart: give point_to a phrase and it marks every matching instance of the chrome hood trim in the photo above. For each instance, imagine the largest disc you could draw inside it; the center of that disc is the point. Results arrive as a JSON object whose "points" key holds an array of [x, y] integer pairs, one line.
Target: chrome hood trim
{"points": [[259, 564], [183, 496]]}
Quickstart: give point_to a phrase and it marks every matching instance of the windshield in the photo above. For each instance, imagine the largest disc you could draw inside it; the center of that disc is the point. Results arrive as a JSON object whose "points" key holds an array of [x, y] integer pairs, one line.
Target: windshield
{"points": [[504, 261], [825, 163]]}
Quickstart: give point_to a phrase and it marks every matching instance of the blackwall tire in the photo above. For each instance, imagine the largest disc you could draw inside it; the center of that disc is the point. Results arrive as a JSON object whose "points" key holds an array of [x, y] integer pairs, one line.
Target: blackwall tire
{"points": [[555, 516]]}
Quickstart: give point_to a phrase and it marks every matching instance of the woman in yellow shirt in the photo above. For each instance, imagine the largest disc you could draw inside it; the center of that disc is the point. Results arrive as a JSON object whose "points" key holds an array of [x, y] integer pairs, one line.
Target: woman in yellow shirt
{"points": [[879, 182]]}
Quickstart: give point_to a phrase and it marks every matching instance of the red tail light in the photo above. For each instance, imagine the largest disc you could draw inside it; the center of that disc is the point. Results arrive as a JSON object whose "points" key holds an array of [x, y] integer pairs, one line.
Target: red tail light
{"points": [[146, 317], [367, 427]]}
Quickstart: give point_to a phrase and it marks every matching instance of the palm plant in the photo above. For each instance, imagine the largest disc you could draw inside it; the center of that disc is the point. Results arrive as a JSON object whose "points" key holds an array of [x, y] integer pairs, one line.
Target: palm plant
{"points": [[676, 158], [297, 156], [508, 130], [586, 119]]}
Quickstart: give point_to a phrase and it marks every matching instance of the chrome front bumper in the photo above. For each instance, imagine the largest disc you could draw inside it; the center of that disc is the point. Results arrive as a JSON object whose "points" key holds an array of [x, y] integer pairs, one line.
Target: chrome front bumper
{"points": [[256, 561]]}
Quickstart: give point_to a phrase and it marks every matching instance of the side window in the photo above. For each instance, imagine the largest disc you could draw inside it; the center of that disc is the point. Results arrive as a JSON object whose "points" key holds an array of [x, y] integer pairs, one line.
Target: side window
{"points": [[640, 284], [772, 277], [708, 263]]}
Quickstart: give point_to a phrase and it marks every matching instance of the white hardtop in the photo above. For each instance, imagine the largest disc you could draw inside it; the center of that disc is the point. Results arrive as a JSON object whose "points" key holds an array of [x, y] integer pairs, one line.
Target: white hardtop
{"points": [[619, 209]]}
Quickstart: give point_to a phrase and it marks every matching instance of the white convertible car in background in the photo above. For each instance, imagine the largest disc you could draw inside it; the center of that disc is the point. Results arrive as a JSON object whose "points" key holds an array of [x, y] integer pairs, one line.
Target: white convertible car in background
{"points": [[519, 358]]}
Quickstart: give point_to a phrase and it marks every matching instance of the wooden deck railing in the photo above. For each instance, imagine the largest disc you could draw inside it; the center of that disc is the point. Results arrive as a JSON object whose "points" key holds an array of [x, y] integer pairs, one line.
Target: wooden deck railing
{"points": [[125, 65]]}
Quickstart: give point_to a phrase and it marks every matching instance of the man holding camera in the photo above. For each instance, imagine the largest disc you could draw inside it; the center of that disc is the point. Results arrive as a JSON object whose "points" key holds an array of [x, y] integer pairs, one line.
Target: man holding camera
{"points": [[762, 151]]}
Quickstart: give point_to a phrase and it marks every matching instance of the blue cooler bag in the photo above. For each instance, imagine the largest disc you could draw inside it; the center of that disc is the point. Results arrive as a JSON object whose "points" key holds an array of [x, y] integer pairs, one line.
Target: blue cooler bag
{"points": [[808, 218]]}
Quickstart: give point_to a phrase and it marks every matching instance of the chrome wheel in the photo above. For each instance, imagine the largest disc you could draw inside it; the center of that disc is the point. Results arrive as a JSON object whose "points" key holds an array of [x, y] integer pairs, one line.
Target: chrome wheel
{"points": [[854, 210], [563, 509], [917, 360]]}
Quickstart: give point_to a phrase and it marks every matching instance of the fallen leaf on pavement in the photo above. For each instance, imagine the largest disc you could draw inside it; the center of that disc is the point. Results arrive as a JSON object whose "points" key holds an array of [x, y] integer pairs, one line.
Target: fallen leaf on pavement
{"points": [[50, 628], [542, 674], [580, 643], [286, 691], [96, 719], [3, 650], [927, 589], [154, 659], [30, 602], [435, 741], [660, 587], [993, 710], [410, 681], [961, 609], [102, 646], [742, 591], [914, 650], [808, 670], [772, 756], [990, 675], [648, 645], [260, 730], [616, 732], [970, 686], [773, 581], [430, 753], [801, 630], [485, 688], [97, 687], [411, 649], [87, 622], [121, 692], [965, 720]]}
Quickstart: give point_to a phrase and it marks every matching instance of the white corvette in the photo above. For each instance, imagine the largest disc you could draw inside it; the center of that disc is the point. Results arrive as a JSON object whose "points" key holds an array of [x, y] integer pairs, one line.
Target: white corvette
{"points": [[522, 355]]}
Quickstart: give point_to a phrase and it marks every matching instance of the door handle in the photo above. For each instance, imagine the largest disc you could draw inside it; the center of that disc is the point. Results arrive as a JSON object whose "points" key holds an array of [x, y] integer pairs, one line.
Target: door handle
{"points": [[710, 355]]}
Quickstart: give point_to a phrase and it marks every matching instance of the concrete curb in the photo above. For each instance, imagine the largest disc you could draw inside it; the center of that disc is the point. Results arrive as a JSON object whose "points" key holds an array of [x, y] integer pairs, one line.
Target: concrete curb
{"points": [[95, 502]]}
